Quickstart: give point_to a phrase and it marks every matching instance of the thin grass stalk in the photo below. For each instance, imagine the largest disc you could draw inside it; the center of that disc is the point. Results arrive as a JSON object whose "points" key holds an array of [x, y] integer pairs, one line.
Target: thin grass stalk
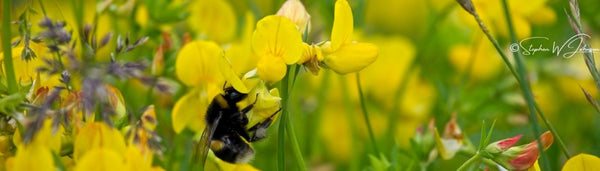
{"points": [[468, 6], [8, 60], [575, 21], [526, 90]]}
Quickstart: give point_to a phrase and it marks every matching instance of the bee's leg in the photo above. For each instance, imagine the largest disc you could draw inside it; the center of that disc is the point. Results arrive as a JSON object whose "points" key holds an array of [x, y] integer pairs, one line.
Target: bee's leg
{"points": [[249, 107], [260, 129]]}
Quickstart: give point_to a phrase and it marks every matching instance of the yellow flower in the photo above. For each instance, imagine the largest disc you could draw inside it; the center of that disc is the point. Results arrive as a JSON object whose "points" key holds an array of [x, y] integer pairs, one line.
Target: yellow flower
{"points": [[39, 149], [195, 63], [214, 19], [240, 52], [582, 162], [201, 65], [276, 42], [486, 61], [100, 159], [136, 160], [45, 137], [189, 110], [31, 157], [26, 70], [97, 135], [342, 55], [524, 14]]}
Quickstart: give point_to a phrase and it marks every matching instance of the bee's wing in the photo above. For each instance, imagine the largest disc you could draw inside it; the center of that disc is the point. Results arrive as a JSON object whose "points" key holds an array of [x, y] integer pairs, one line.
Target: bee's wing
{"points": [[207, 137]]}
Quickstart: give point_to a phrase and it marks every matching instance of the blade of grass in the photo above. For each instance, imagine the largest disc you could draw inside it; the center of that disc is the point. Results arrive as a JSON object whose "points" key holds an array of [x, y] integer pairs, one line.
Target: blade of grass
{"points": [[590, 99], [489, 134], [8, 60], [482, 137], [366, 114]]}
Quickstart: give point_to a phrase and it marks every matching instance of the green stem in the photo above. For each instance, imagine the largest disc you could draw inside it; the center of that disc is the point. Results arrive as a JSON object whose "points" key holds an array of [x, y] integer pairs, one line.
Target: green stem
{"points": [[8, 63], [526, 90], [295, 146], [365, 113], [285, 125], [282, 125], [490, 163], [469, 163]]}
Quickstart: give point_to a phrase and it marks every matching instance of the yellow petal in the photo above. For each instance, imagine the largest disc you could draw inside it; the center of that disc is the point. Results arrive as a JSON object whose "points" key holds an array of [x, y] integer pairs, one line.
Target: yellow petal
{"points": [[267, 104], [45, 137], [32, 157], [135, 161], [240, 53], [230, 75], [116, 100], [97, 135], [189, 111], [543, 16], [185, 109], [277, 36], [101, 159], [343, 24], [582, 162], [271, 69], [535, 167], [149, 118], [196, 63], [351, 57]]}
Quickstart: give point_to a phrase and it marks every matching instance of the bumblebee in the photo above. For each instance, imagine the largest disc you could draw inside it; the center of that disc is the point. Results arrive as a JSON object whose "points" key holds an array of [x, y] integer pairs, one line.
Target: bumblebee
{"points": [[227, 133]]}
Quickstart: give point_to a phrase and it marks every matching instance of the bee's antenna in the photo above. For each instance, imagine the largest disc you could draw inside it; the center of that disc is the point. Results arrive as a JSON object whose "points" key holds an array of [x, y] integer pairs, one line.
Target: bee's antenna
{"points": [[224, 85]]}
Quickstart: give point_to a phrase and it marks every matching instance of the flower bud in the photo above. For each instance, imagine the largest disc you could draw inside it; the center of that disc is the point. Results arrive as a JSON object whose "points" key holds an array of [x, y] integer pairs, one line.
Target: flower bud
{"points": [[502, 145], [451, 140], [295, 11], [524, 156]]}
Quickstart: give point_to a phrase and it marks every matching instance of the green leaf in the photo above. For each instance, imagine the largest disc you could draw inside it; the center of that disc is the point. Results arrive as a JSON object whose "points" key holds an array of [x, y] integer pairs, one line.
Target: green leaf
{"points": [[379, 164]]}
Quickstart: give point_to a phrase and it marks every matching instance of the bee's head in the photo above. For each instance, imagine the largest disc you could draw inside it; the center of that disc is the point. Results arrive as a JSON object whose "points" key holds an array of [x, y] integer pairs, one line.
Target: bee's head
{"points": [[233, 95]]}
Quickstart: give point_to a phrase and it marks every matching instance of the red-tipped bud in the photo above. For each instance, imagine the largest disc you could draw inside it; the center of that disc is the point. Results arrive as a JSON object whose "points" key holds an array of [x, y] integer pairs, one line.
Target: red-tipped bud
{"points": [[524, 156], [502, 145]]}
